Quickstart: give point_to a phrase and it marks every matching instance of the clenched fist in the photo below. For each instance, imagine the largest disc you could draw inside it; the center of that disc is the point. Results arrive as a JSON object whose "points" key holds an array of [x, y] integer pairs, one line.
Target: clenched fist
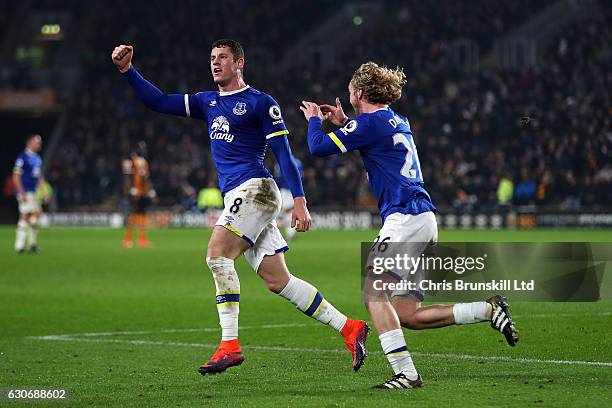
{"points": [[122, 57]]}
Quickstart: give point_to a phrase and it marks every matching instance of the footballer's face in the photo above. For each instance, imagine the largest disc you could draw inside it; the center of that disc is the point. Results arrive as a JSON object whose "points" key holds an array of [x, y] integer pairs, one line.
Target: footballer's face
{"points": [[223, 66], [355, 97], [35, 144]]}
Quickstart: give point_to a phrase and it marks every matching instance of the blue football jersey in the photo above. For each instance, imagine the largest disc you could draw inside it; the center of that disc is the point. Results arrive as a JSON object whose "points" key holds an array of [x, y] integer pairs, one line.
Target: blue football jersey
{"points": [[239, 125], [390, 156], [29, 166]]}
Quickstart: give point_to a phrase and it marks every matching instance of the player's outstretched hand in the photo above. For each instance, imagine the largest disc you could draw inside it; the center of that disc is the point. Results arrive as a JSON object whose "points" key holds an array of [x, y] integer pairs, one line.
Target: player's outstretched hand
{"points": [[122, 57], [335, 114], [300, 219], [311, 110]]}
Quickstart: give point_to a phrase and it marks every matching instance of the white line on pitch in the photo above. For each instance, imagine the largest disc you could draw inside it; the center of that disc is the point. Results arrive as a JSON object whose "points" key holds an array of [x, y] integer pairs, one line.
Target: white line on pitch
{"points": [[284, 325], [581, 314], [520, 360], [200, 330]]}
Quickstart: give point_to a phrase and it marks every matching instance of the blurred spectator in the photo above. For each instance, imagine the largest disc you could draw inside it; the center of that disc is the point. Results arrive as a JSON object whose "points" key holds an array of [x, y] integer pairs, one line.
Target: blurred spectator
{"points": [[210, 197], [465, 122], [505, 191], [525, 191]]}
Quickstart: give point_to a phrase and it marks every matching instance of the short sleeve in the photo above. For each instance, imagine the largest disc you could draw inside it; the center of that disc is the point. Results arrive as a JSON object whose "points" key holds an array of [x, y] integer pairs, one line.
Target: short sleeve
{"points": [[18, 168], [355, 134], [272, 123]]}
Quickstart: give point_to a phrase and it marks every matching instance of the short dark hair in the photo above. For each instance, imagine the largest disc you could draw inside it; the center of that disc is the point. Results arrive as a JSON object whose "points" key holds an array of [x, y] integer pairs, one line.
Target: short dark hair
{"points": [[233, 45], [31, 136]]}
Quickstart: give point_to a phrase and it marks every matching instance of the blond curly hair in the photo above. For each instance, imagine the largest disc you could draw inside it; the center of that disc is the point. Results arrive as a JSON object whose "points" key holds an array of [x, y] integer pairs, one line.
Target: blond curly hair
{"points": [[379, 83]]}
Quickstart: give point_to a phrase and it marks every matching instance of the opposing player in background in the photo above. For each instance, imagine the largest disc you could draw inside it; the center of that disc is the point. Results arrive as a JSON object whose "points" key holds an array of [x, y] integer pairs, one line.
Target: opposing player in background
{"points": [[389, 154], [284, 218], [139, 191], [242, 122], [27, 177]]}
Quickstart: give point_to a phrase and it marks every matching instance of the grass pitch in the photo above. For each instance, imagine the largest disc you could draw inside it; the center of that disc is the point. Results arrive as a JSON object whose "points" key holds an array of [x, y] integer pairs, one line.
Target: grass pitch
{"points": [[119, 327]]}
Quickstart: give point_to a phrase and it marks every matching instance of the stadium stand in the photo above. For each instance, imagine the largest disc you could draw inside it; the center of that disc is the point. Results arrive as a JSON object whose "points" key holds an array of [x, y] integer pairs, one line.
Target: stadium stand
{"points": [[469, 123]]}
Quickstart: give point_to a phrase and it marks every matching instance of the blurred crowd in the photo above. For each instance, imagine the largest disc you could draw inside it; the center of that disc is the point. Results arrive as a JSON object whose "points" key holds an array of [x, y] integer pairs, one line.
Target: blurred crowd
{"points": [[488, 137]]}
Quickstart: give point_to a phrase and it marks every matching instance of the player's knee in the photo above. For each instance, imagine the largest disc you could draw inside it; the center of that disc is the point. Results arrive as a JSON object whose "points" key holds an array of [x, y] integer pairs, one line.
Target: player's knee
{"points": [[274, 283], [215, 250], [275, 286]]}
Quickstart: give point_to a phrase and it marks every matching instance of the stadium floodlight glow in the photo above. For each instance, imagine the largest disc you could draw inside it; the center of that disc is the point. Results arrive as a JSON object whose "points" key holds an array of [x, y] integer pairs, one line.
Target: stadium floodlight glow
{"points": [[357, 20]]}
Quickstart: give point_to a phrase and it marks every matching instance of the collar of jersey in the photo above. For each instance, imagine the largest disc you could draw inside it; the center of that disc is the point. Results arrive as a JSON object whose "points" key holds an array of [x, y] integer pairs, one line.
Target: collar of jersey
{"points": [[377, 110], [234, 92]]}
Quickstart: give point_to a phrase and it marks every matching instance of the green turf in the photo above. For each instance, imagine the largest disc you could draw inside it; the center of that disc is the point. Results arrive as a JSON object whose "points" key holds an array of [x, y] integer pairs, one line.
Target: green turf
{"points": [[85, 282]]}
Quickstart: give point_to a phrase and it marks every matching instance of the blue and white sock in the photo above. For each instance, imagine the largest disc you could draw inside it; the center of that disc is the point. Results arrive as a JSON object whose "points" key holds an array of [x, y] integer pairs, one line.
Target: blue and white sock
{"points": [[227, 295], [394, 347], [310, 301]]}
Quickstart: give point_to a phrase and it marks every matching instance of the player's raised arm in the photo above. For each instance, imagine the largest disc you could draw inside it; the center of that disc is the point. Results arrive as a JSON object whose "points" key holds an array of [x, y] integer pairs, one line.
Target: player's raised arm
{"points": [[334, 113], [149, 94], [319, 143], [354, 135]]}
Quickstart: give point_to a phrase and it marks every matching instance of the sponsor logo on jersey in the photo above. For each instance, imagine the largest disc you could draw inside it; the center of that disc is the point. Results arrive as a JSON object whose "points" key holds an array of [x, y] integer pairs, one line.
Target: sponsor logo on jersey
{"points": [[239, 109], [275, 114], [220, 129], [349, 127]]}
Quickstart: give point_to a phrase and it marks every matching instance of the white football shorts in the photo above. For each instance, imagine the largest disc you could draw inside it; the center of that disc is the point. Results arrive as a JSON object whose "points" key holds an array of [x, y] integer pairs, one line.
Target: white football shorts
{"points": [[250, 212], [29, 204], [416, 233]]}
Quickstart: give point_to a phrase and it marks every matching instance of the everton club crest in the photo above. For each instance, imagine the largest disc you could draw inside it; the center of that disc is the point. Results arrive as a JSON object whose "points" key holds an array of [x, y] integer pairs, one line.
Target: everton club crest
{"points": [[240, 108]]}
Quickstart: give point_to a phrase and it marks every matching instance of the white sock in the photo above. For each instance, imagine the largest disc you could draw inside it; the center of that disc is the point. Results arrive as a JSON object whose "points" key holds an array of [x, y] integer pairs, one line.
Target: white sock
{"points": [[227, 295], [394, 347], [310, 301], [475, 312], [21, 234], [33, 231]]}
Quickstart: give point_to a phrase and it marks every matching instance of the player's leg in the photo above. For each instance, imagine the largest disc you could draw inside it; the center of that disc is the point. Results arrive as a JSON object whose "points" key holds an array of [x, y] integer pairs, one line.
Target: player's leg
{"points": [[223, 249], [416, 317], [414, 232], [238, 226], [409, 234], [307, 298], [21, 234], [392, 340], [142, 240], [33, 231], [129, 225], [494, 310]]}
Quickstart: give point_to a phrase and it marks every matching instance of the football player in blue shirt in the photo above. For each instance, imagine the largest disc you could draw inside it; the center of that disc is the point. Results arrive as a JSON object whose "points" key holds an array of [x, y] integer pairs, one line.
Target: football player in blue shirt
{"points": [[27, 176], [390, 157], [241, 123]]}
